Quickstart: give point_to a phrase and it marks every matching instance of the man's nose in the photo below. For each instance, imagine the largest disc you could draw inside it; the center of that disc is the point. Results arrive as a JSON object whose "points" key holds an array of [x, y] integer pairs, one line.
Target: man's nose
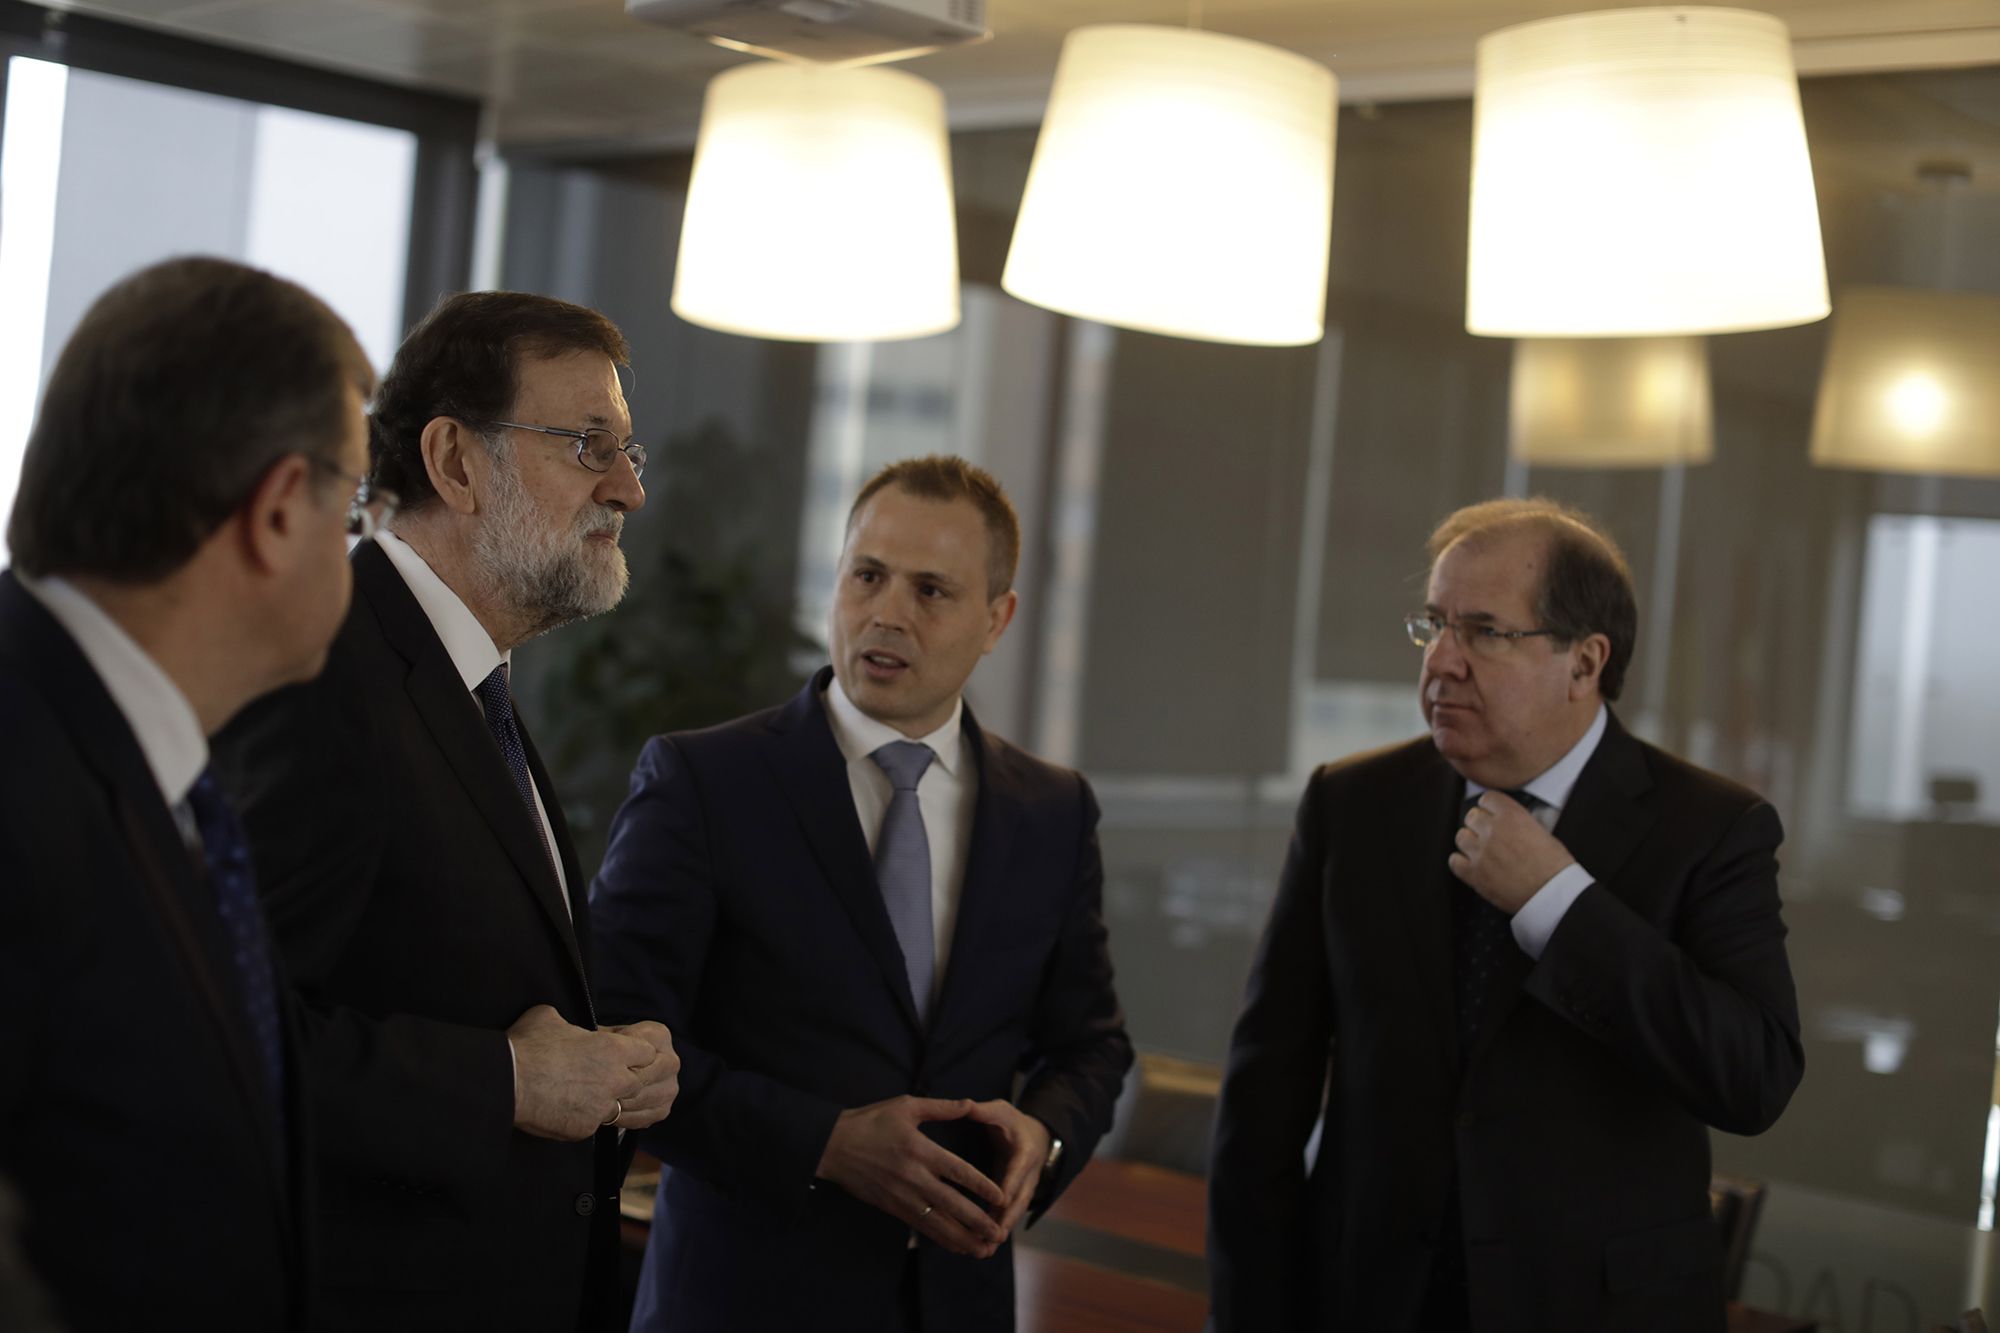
{"points": [[619, 488]]}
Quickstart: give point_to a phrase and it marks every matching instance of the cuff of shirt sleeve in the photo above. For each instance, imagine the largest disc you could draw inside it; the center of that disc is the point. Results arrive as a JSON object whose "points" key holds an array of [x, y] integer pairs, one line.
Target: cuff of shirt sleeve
{"points": [[1540, 915]]}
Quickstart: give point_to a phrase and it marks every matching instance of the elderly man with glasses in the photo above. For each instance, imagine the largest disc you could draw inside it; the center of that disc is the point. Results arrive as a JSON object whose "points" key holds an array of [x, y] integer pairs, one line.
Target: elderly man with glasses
{"points": [[418, 874], [1514, 972]]}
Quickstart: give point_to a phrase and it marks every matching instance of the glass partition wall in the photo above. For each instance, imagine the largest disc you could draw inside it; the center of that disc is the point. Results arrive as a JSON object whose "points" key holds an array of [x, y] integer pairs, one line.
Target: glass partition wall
{"points": [[1222, 541]]}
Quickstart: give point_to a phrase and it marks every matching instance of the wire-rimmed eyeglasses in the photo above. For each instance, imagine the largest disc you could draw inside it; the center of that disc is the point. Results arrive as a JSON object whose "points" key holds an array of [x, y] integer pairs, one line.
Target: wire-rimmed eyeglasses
{"points": [[371, 508], [596, 448], [1478, 639]]}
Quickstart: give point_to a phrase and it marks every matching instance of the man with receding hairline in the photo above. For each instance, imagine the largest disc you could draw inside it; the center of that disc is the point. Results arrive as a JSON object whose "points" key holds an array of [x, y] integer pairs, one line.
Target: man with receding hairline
{"points": [[1513, 973], [864, 915]]}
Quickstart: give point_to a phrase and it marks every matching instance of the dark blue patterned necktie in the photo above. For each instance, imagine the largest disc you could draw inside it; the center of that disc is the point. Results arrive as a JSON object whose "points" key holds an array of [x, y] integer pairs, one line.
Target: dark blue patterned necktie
{"points": [[499, 705], [1481, 935], [226, 853], [903, 866]]}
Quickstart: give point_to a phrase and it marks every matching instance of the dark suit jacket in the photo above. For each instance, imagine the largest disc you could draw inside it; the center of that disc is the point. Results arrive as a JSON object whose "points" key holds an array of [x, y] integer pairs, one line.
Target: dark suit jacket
{"points": [[1576, 1126], [133, 1115], [738, 904], [409, 891]]}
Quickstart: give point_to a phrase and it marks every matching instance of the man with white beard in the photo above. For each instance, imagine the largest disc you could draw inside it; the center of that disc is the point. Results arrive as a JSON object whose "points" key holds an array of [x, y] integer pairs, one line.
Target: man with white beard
{"points": [[417, 871]]}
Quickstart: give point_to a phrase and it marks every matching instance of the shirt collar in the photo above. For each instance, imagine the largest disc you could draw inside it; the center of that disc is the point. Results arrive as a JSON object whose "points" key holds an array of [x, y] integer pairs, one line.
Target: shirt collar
{"points": [[161, 718], [1556, 782], [860, 735], [466, 641]]}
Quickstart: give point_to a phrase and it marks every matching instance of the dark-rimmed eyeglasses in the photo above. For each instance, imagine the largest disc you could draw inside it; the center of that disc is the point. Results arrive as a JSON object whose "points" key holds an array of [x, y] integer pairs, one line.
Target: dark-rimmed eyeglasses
{"points": [[1477, 639], [596, 448]]}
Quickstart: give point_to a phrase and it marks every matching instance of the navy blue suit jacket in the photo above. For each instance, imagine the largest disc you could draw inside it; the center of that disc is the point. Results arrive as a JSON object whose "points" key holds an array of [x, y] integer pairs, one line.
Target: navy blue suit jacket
{"points": [[738, 904], [133, 1116]]}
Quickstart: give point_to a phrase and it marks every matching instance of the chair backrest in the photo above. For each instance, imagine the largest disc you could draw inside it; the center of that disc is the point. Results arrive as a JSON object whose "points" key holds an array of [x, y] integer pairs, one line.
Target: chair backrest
{"points": [[1737, 1204], [1970, 1322], [1166, 1113]]}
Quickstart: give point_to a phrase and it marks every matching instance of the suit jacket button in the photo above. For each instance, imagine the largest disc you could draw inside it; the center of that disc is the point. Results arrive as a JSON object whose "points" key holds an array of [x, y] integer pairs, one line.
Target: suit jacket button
{"points": [[586, 1204], [1466, 1120]]}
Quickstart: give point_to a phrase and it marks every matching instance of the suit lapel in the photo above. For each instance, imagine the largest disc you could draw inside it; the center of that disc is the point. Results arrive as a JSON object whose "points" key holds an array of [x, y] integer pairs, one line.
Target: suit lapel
{"points": [[813, 775], [454, 721], [1424, 889], [1601, 825], [1608, 812], [182, 903], [996, 819]]}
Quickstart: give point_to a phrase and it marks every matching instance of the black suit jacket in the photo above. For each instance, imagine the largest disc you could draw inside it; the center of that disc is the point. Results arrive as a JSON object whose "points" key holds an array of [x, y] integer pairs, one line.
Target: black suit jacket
{"points": [[1576, 1127], [738, 903], [133, 1115], [408, 889]]}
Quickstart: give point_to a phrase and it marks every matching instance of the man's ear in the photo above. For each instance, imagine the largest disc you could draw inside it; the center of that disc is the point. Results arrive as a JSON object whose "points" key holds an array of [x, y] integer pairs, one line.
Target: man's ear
{"points": [[273, 518], [999, 615], [1587, 665], [448, 445]]}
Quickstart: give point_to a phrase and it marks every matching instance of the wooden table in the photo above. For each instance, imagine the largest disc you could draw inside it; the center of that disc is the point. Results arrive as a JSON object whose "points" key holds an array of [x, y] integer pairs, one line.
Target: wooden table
{"points": [[1122, 1252]]}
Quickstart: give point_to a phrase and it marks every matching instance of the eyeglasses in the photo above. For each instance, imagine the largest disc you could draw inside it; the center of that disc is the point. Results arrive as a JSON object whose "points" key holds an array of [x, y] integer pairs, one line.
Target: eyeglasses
{"points": [[1478, 640], [596, 448], [371, 508]]}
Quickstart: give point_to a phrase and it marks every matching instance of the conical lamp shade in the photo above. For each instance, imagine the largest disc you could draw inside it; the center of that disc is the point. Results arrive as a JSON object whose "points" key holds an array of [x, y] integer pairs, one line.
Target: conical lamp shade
{"points": [[820, 207], [1182, 184], [1610, 402], [1641, 172], [1911, 384]]}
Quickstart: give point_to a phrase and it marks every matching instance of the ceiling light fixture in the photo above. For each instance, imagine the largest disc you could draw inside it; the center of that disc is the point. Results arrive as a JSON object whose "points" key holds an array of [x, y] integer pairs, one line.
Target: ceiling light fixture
{"points": [[1641, 172], [1610, 402], [820, 207], [1911, 384], [1182, 184]]}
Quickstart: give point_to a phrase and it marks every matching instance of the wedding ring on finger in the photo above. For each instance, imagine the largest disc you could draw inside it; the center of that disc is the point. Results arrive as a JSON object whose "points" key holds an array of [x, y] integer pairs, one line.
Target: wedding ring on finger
{"points": [[618, 1105]]}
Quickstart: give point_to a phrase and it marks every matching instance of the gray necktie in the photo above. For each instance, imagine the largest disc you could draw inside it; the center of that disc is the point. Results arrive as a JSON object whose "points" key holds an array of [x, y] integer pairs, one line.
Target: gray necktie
{"points": [[903, 866]]}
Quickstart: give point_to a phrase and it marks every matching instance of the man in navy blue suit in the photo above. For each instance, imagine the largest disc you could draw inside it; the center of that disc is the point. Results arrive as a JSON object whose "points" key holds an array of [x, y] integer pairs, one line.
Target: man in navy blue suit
{"points": [[875, 931], [179, 549]]}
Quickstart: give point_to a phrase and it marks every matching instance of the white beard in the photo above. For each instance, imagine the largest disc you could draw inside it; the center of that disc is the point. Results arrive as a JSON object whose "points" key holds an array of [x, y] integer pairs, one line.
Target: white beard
{"points": [[550, 576]]}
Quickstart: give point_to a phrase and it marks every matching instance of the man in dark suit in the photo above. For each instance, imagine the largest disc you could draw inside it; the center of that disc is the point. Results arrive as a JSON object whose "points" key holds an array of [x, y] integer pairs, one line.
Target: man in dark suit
{"points": [[178, 547], [1523, 963], [418, 873], [864, 916]]}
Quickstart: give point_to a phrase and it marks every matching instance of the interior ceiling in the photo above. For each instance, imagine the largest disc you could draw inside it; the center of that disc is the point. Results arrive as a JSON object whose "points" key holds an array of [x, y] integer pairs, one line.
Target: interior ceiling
{"points": [[581, 74]]}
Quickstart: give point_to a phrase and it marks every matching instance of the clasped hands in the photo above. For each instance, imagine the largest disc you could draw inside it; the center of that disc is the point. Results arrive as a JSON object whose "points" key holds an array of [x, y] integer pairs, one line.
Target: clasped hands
{"points": [[1505, 854], [879, 1155], [569, 1081]]}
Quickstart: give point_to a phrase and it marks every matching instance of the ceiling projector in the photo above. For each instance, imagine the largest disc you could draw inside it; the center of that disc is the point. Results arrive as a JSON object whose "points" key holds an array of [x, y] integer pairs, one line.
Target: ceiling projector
{"points": [[823, 31]]}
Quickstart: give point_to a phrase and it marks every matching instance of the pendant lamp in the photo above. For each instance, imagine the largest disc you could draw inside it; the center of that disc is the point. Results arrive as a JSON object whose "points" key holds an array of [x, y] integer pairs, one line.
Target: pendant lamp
{"points": [[1911, 383], [1610, 402], [820, 207], [1641, 172], [1182, 184]]}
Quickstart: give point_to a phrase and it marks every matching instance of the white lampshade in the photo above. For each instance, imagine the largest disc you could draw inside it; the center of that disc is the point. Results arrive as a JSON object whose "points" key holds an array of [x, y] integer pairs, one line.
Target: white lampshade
{"points": [[1641, 172], [1182, 184], [1911, 384], [820, 207], [1610, 402]]}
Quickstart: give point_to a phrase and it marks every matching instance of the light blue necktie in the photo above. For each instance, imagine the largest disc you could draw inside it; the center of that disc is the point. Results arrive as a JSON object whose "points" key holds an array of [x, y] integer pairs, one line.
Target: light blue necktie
{"points": [[903, 866]]}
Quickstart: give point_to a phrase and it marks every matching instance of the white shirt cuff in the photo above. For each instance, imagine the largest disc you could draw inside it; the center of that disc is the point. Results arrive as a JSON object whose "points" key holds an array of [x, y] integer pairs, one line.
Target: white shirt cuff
{"points": [[1540, 915]]}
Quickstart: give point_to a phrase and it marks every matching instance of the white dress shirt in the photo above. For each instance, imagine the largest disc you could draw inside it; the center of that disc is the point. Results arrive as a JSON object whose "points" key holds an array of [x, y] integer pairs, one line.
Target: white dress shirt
{"points": [[945, 794], [1540, 915], [472, 653], [161, 718]]}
